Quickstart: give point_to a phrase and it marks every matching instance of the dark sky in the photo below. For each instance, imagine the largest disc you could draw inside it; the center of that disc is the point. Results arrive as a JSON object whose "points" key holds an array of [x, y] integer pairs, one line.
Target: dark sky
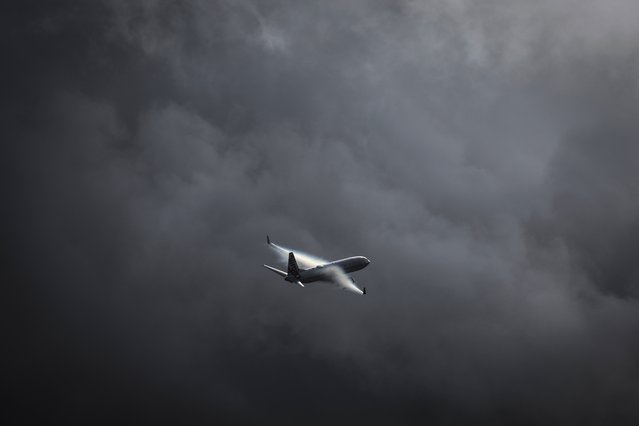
{"points": [[483, 155]]}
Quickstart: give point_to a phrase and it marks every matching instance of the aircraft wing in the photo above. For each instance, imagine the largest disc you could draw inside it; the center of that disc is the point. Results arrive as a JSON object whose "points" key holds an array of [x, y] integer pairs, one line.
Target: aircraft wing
{"points": [[363, 289], [277, 248], [304, 260], [344, 281]]}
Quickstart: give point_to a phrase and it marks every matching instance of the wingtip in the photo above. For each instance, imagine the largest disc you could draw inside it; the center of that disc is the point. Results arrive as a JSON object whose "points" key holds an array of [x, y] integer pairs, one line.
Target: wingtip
{"points": [[268, 240]]}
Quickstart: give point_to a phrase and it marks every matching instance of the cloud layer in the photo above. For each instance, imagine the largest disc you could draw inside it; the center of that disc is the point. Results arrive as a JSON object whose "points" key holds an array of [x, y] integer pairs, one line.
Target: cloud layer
{"points": [[483, 156]]}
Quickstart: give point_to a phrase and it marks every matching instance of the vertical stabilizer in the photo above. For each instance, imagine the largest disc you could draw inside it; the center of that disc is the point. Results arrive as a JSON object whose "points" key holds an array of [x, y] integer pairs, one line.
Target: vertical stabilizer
{"points": [[293, 269]]}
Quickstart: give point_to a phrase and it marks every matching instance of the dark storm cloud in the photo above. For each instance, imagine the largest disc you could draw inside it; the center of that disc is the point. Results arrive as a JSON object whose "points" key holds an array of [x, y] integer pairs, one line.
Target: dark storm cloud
{"points": [[483, 156]]}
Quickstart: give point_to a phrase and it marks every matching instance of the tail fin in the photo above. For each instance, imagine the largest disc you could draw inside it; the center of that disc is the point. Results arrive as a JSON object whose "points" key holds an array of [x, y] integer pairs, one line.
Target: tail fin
{"points": [[293, 269]]}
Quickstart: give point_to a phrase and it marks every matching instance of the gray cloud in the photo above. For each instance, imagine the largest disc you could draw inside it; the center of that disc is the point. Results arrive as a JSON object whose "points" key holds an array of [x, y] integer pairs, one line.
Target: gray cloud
{"points": [[483, 156]]}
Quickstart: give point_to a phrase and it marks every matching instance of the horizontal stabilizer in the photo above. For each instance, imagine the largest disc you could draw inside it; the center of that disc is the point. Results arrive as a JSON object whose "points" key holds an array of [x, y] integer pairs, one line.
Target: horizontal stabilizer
{"points": [[277, 271]]}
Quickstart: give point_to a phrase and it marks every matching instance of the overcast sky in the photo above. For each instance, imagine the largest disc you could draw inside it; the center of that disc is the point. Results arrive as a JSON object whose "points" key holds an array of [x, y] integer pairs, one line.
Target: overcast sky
{"points": [[484, 155]]}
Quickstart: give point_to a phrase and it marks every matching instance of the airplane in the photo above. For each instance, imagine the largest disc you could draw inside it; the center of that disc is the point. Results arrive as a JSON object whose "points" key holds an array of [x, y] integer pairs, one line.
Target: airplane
{"points": [[318, 270]]}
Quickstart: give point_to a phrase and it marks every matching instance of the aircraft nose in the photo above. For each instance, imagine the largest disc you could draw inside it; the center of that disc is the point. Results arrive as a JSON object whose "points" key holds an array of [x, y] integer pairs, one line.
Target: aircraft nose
{"points": [[366, 260]]}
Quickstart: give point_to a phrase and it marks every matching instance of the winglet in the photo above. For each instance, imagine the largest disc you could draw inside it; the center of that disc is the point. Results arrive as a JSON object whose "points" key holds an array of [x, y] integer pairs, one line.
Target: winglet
{"points": [[268, 240], [364, 290]]}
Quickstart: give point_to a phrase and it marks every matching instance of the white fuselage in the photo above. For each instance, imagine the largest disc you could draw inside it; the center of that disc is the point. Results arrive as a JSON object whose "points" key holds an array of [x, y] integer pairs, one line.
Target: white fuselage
{"points": [[324, 272]]}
